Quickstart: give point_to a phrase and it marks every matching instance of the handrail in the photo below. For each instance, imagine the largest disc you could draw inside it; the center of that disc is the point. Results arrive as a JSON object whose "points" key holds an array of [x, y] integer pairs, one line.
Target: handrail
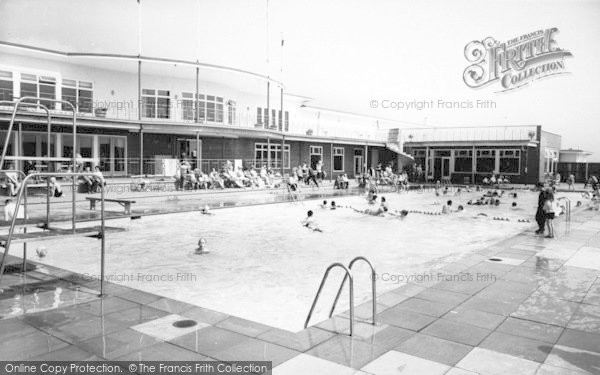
{"points": [[567, 212], [373, 286], [16, 105], [24, 208], [18, 203], [21, 101], [314, 304]]}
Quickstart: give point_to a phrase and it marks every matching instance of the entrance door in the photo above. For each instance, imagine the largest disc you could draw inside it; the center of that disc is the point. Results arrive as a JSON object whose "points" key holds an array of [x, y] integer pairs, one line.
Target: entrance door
{"points": [[445, 167], [112, 154], [358, 164], [437, 169], [186, 146]]}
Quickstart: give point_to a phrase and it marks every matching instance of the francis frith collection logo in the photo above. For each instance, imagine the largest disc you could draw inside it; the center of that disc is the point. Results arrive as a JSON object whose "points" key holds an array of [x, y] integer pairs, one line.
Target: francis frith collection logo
{"points": [[514, 63]]}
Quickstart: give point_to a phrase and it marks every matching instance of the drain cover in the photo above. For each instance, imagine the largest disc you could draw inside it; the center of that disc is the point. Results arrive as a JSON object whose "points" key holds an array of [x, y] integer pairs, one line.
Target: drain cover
{"points": [[495, 259], [184, 323]]}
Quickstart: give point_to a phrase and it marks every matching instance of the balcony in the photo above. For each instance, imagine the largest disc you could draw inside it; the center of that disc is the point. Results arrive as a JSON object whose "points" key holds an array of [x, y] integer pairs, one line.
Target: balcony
{"points": [[527, 133], [182, 114]]}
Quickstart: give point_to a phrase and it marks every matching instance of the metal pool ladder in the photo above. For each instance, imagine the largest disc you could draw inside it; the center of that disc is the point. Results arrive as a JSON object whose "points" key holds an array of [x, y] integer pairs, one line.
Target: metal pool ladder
{"points": [[347, 275], [567, 212]]}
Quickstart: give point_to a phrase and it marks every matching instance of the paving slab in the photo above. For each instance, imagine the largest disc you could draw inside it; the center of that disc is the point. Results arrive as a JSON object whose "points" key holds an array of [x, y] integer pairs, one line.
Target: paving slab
{"points": [[489, 362], [394, 362], [434, 349], [458, 332], [532, 330], [347, 351], [517, 346]]}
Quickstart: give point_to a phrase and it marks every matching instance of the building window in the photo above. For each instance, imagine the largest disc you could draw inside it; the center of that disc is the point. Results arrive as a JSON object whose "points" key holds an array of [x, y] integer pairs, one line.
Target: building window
{"points": [[510, 161], [261, 151], [6, 86], [280, 119], [316, 155], [486, 161], [156, 103], [259, 116], [43, 87], [211, 108], [338, 159], [463, 160], [231, 108], [550, 160], [188, 106], [287, 121], [273, 118], [85, 96], [29, 85], [47, 87], [79, 95]]}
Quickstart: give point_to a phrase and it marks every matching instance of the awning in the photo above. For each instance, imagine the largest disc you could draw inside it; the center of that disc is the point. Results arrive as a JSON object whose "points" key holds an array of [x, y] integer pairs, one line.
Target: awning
{"points": [[394, 147]]}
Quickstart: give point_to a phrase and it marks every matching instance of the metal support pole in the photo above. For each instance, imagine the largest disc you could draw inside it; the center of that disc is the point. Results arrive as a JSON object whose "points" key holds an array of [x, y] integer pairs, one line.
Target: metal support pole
{"points": [[197, 100], [20, 146], [267, 123], [198, 150], [473, 166], [282, 153], [331, 160], [74, 183], [365, 162], [141, 149], [24, 230], [268, 153], [102, 237]]}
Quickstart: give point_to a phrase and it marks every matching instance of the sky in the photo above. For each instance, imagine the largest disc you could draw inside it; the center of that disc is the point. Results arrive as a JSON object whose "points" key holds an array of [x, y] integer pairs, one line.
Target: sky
{"points": [[349, 54]]}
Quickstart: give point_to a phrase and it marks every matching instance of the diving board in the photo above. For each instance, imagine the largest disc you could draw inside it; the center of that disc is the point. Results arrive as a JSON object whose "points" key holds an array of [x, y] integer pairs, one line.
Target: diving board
{"points": [[57, 233]]}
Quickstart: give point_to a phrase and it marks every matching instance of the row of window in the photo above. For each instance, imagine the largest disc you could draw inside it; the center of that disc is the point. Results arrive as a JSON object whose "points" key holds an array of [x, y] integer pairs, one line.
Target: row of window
{"points": [[262, 150], [79, 93], [263, 118], [509, 161], [155, 103]]}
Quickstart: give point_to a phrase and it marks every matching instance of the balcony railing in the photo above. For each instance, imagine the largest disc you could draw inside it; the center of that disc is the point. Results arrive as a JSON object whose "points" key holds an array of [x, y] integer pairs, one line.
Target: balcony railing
{"points": [[461, 134], [177, 113]]}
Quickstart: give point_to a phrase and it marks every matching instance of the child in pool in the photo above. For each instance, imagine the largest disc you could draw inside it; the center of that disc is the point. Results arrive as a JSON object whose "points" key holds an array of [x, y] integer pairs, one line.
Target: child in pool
{"points": [[373, 199], [447, 208], [324, 204], [333, 206], [202, 247], [310, 223]]}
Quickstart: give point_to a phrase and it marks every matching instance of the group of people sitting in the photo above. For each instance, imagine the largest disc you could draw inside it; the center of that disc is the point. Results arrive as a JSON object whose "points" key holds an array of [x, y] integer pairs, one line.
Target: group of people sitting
{"points": [[493, 180], [187, 178]]}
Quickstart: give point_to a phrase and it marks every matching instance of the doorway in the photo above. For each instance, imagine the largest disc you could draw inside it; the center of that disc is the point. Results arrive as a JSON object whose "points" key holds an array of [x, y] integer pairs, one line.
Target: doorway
{"points": [[358, 161]]}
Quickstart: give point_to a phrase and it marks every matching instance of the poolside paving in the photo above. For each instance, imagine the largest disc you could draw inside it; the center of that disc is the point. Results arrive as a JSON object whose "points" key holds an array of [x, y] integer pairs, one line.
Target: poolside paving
{"points": [[536, 311]]}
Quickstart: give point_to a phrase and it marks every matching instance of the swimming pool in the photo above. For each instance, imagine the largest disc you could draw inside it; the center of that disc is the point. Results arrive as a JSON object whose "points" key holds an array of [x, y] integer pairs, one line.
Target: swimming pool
{"points": [[266, 267]]}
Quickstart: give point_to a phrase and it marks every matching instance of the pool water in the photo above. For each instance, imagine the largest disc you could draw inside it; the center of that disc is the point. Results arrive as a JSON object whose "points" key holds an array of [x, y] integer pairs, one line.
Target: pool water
{"points": [[265, 266]]}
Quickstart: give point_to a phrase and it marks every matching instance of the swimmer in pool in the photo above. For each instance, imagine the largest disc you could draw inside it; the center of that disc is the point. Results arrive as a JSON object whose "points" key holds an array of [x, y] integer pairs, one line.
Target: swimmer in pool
{"points": [[202, 247], [384, 204], [324, 204], [447, 208], [206, 211], [333, 206], [373, 199], [310, 223], [379, 211], [399, 214]]}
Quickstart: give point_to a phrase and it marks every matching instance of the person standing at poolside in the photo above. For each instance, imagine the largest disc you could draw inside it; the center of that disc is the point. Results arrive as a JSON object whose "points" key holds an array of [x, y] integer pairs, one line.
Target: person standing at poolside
{"points": [[549, 213], [540, 217], [55, 189], [571, 181]]}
